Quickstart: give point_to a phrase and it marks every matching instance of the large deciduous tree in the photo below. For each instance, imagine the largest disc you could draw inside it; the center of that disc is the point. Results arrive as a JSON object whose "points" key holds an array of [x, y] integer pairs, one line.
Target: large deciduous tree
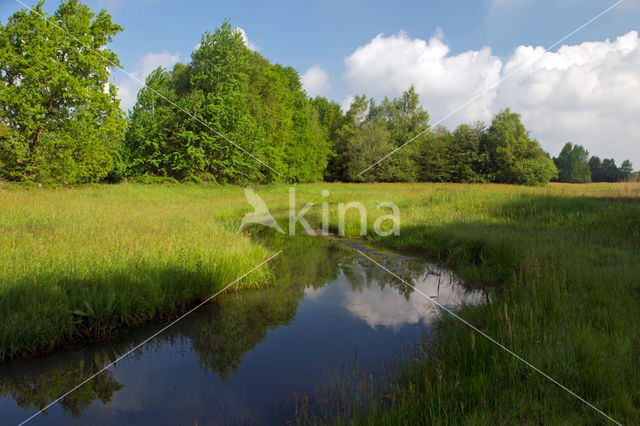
{"points": [[61, 115], [573, 164], [513, 157], [229, 116]]}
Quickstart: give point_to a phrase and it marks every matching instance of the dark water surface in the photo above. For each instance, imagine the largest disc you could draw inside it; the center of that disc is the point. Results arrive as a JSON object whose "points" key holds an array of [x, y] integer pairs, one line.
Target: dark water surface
{"points": [[249, 357]]}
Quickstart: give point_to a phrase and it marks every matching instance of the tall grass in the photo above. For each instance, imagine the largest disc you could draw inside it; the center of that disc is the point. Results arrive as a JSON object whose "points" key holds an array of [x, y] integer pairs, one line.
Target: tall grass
{"points": [[82, 263], [567, 258]]}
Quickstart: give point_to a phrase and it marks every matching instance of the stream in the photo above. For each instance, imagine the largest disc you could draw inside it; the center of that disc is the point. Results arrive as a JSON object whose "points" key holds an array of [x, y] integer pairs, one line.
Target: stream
{"points": [[248, 357]]}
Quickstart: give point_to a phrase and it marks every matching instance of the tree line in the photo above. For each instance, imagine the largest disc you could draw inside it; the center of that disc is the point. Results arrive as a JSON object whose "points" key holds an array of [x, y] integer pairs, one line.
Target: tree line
{"points": [[231, 116], [575, 166]]}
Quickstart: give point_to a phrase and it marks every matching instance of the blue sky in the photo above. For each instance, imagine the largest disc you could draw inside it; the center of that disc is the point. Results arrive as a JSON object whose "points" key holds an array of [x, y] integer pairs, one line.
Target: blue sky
{"points": [[325, 33]]}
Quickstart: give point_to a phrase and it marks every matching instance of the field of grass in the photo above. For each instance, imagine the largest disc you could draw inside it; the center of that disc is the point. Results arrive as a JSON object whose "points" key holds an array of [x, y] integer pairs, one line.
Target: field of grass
{"points": [[83, 262], [567, 258]]}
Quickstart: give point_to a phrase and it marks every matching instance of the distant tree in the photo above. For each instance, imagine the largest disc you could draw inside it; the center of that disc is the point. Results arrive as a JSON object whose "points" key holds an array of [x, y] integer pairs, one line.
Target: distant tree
{"points": [[233, 107], [62, 114], [512, 156], [332, 120], [467, 162], [401, 119], [435, 156], [625, 171], [368, 145], [573, 164], [405, 119], [404, 116], [595, 166], [609, 170]]}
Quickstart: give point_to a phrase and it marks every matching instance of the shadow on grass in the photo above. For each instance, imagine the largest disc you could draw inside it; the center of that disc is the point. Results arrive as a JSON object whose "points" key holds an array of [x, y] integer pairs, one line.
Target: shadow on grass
{"points": [[569, 271]]}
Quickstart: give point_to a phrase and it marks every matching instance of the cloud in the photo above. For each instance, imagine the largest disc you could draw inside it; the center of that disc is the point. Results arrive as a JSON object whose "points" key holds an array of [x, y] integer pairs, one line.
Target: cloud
{"points": [[246, 40], [316, 81], [389, 65], [128, 87], [389, 308], [587, 93]]}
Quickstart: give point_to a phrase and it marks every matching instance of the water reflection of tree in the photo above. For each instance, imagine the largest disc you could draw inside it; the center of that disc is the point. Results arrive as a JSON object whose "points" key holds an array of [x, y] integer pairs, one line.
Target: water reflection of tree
{"points": [[241, 320], [219, 335], [34, 388], [361, 275]]}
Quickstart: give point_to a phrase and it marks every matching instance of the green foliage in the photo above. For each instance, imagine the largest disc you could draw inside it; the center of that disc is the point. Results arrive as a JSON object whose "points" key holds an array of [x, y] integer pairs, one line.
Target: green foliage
{"points": [[607, 171], [399, 120], [231, 102], [435, 156], [332, 120], [366, 147], [468, 162], [503, 153], [625, 171], [513, 157], [573, 165], [60, 115]]}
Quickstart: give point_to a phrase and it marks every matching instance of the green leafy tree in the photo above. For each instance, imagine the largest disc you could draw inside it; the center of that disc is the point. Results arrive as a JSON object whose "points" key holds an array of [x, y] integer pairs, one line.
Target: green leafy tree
{"points": [[233, 107], [402, 120], [513, 157], [435, 160], [62, 114], [367, 146], [625, 171], [466, 159], [609, 170], [332, 119], [595, 166], [573, 165]]}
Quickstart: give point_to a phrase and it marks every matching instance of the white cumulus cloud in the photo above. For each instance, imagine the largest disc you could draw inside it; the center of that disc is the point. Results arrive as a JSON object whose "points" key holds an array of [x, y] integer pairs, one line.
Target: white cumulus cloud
{"points": [[246, 40], [128, 86], [587, 93], [389, 65], [316, 81]]}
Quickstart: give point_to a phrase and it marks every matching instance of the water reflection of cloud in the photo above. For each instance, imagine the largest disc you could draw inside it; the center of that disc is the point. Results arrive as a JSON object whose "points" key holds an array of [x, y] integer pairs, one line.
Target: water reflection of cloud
{"points": [[389, 308], [313, 293]]}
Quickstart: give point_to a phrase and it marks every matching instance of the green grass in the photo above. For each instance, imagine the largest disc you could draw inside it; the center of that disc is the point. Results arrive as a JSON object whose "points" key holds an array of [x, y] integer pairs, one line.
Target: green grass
{"points": [[565, 258], [83, 263], [568, 262]]}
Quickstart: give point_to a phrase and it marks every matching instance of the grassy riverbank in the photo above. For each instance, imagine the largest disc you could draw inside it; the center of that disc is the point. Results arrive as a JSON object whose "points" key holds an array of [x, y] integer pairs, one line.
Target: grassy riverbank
{"points": [[81, 263], [568, 259]]}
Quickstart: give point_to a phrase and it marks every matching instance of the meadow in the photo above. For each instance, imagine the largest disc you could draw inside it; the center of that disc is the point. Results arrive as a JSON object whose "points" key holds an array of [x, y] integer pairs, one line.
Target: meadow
{"points": [[562, 263]]}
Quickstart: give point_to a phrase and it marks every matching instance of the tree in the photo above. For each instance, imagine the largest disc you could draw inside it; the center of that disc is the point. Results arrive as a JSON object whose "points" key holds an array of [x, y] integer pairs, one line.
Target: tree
{"points": [[512, 156], [233, 108], [332, 119], [64, 120], [625, 171], [466, 159], [609, 170], [435, 159], [595, 166], [573, 165], [402, 119], [367, 146]]}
